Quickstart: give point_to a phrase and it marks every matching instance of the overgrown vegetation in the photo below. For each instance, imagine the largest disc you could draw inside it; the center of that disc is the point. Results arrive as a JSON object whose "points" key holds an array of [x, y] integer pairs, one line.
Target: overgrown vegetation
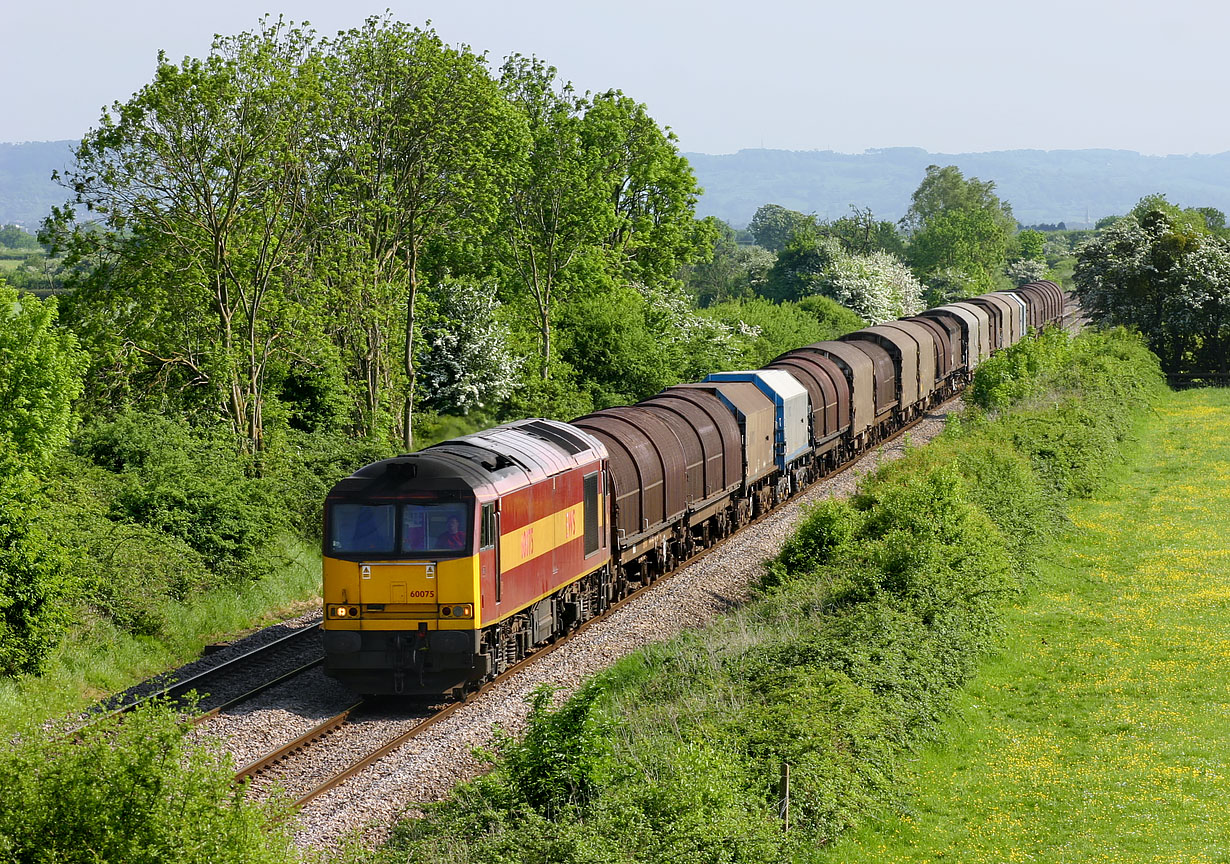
{"points": [[869, 621], [140, 792]]}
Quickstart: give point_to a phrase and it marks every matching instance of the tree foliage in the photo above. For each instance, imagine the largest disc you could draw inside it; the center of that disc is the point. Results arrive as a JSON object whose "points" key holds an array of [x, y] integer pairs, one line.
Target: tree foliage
{"points": [[959, 232], [877, 286], [862, 234], [727, 270], [603, 195], [766, 329], [434, 149], [40, 376], [946, 190], [16, 237], [774, 226], [271, 268], [32, 572], [1161, 270], [468, 363], [202, 181]]}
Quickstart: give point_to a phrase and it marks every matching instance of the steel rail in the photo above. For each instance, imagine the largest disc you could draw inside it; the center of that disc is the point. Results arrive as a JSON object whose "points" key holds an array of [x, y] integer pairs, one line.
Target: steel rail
{"points": [[258, 689], [178, 689], [313, 735]]}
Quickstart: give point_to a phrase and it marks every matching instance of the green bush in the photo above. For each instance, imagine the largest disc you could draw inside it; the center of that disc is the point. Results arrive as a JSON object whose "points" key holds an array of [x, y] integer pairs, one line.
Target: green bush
{"points": [[40, 376], [191, 484], [151, 512], [553, 765], [303, 466], [769, 329], [130, 793], [33, 581]]}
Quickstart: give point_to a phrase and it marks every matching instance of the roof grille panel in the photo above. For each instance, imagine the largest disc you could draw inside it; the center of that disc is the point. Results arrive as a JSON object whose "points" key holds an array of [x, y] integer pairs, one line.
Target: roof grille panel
{"points": [[555, 435]]}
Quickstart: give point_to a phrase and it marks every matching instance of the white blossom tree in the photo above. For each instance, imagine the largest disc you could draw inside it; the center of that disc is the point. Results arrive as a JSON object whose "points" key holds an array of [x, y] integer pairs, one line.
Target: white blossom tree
{"points": [[878, 286], [464, 358], [1160, 270], [697, 343], [1022, 271]]}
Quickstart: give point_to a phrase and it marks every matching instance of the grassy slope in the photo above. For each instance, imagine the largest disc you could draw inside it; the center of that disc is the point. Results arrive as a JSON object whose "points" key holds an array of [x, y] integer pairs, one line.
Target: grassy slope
{"points": [[97, 659], [1099, 734]]}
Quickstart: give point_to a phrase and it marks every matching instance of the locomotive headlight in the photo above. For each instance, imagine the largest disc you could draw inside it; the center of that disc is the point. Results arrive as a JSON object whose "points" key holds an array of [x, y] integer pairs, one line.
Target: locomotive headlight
{"points": [[342, 611]]}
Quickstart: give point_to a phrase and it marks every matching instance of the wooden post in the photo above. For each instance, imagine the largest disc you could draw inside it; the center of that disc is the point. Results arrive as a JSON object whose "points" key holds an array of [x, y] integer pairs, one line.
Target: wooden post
{"points": [[784, 796]]}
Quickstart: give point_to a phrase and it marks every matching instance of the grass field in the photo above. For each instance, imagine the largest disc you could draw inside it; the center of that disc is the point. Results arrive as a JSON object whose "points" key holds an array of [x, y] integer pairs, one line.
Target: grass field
{"points": [[1102, 732]]}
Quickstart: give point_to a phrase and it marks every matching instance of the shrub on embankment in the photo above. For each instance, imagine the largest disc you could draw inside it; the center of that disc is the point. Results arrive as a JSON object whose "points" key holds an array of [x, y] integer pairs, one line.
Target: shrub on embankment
{"points": [[867, 623], [140, 792]]}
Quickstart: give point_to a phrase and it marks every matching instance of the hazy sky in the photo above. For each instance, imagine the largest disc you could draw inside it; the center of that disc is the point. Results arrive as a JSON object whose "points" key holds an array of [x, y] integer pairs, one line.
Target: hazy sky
{"points": [[946, 75]]}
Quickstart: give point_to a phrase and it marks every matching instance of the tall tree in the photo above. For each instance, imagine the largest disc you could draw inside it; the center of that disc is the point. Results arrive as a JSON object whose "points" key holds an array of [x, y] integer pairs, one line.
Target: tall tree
{"points": [[202, 180], [944, 190], [650, 187], [1161, 270], [959, 230], [555, 212], [603, 195], [862, 234], [774, 226], [429, 150], [40, 376]]}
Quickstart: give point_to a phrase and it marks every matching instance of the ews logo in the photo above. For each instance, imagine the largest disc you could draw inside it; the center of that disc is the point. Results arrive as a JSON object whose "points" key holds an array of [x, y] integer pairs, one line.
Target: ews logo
{"points": [[527, 543], [570, 523]]}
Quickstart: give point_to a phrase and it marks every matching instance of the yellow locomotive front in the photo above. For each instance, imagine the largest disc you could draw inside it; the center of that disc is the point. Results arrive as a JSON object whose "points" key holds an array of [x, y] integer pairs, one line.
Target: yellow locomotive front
{"points": [[444, 566], [402, 586]]}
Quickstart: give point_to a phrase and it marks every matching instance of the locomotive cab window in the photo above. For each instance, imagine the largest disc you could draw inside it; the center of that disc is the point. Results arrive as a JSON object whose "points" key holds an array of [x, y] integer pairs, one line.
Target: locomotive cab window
{"points": [[488, 530], [362, 528], [435, 528], [402, 530]]}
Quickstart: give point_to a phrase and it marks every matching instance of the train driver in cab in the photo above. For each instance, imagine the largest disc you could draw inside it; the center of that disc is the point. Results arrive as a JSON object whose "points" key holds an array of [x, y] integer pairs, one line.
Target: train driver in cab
{"points": [[452, 538]]}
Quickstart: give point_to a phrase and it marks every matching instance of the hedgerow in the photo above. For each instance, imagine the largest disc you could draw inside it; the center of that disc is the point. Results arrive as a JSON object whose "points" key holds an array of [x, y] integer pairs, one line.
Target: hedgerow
{"points": [[870, 619], [140, 791]]}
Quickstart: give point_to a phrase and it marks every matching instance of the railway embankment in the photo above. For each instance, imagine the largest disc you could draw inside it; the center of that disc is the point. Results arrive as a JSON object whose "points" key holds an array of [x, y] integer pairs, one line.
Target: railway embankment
{"points": [[847, 659], [1098, 732]]}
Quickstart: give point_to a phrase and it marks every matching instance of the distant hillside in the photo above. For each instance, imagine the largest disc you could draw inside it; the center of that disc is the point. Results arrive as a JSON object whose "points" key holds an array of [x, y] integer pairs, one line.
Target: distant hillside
{"points": [[27, 192], [1071, 186]]}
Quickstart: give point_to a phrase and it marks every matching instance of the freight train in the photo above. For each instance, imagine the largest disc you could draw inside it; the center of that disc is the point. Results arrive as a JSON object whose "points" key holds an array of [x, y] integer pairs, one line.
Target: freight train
{"points": [[443, 568]]}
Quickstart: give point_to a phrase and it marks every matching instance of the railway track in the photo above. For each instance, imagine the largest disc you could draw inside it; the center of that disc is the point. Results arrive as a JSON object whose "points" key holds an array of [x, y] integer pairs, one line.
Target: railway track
{"points": [[230, 682], [295, 757]]}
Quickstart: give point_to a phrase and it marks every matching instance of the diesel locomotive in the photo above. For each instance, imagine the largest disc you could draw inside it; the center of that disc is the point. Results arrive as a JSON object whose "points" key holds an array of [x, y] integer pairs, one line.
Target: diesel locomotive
{"points": [[444, 567]]}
